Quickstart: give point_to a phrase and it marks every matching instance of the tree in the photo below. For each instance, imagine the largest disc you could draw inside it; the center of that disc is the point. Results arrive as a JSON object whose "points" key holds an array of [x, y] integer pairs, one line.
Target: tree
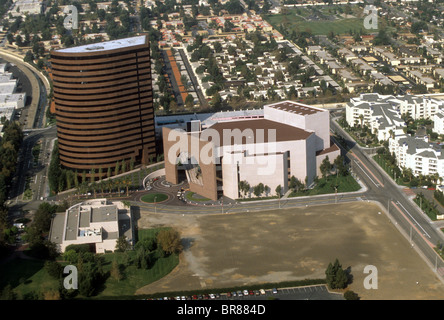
{"points": [[279, 191], [19, 40], [189, 101], [10, 38], [169, 241], [54, 269], [244, 187], [122, 244], [115, 272], [325, 167], [351, 295], [340, 166], [143, 258], [259, 189], [295, 183], [336, 277]]}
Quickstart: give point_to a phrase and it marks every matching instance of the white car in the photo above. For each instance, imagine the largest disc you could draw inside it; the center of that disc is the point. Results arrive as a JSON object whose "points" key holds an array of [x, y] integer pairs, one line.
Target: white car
{"points": [[212, 296], [245, 292], [262, 291]]}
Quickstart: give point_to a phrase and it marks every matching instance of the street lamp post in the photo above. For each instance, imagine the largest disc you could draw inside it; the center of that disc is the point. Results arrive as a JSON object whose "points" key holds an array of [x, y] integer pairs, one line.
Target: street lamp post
{"points": [[336, 194]]}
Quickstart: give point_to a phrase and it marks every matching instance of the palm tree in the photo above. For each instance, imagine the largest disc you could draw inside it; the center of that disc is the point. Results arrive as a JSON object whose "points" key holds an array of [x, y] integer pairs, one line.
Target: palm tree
{"points": [[109, 184], [127, 182], [101, 186], [118, 183], [361, 118]]}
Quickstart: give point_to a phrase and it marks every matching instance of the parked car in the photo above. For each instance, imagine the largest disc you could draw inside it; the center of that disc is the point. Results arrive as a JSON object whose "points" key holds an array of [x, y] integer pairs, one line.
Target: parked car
{"points": [[229, 295], [262, 291], [245, 292], [275, 290]]}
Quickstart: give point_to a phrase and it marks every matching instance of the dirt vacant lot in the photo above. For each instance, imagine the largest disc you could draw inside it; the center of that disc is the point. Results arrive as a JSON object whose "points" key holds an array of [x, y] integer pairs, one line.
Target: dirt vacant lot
{"points": [[244, 248]]}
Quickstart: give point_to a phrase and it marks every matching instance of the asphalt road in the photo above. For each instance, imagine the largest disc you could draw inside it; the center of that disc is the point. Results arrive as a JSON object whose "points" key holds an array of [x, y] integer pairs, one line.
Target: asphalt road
{"points": [[193, 78], [415, 225], [36, 173]]}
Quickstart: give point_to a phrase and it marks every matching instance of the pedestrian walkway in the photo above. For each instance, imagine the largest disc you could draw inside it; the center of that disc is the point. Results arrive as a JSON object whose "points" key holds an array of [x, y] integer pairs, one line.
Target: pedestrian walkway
{"points": [[287, 194]]}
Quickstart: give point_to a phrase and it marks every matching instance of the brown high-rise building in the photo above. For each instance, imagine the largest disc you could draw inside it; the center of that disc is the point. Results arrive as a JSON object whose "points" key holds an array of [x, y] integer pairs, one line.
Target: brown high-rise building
{"points": [[104, 104]]}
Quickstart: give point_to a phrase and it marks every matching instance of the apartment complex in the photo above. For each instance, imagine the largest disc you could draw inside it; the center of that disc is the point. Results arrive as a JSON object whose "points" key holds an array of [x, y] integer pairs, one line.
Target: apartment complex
{"points": [[418, 155], [103, 103], [383, 113], [98, 223], [291, 139]]}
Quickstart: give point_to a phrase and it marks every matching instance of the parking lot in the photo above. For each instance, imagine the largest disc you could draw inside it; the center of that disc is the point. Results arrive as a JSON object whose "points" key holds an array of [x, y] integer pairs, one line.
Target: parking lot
{"points": [[315, 292]]}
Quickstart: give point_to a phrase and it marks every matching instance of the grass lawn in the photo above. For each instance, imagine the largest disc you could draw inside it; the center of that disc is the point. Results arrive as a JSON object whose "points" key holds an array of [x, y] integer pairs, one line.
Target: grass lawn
{"points": [[195, 197], [326, 186], [26, 276], [154, 197], [136, 278], [29, 276], [320, 27]]}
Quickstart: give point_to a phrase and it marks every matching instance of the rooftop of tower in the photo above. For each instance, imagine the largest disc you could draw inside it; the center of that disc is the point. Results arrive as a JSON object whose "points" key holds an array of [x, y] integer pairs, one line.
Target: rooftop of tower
{"points": [[107, 45]]}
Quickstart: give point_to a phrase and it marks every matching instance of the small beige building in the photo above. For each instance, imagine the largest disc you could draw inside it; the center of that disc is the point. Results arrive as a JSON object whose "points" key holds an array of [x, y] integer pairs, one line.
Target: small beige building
{"points": [[97, 222]]}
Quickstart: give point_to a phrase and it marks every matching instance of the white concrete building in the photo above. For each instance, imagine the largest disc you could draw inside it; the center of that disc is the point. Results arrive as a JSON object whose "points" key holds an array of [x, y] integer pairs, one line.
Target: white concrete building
{"points": [[291, 139], [96, 222], [418, 155], [377, 112], [383, 112], [438, 122]]}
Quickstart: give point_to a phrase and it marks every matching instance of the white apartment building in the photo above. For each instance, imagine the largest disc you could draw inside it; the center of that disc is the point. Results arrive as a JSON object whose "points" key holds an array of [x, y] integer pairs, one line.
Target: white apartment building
{"points": [[384, 112], [438, 122], [418, 155], [377, 113]]}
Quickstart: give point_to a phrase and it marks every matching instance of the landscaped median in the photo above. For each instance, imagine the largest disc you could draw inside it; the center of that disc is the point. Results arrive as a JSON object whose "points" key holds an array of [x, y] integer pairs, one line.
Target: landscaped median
{"points": [[154, 197]]}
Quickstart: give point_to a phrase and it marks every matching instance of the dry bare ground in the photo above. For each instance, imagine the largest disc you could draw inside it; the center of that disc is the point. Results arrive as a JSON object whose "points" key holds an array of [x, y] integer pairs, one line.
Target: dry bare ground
{"points": [[245, 248]]}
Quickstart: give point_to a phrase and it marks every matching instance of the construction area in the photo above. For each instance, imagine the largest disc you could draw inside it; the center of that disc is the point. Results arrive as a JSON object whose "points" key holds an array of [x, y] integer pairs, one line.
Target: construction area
{"points": [[225, 250]]}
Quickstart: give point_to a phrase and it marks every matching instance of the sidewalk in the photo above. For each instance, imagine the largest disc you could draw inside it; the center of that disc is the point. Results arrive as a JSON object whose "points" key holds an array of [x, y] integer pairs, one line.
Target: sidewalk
{"points": [[285, 196]]}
